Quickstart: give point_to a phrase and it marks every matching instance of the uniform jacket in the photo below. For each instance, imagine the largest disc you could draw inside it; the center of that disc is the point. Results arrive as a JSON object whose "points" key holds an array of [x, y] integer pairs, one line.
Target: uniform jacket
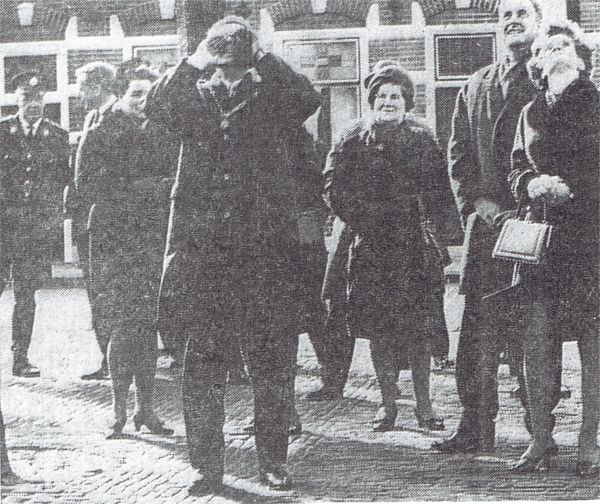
{"points": [[479, 150], [237, 182], [564, 140], [33, 175]]}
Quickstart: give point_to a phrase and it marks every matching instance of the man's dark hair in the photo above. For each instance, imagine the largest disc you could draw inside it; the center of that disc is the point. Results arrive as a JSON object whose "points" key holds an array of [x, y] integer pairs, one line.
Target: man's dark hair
{"points": [[133, 69]]}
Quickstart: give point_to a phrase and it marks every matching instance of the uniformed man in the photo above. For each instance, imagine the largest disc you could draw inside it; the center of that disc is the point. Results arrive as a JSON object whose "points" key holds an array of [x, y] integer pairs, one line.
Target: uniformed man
{"points": [[233, 247], [34, 170]]}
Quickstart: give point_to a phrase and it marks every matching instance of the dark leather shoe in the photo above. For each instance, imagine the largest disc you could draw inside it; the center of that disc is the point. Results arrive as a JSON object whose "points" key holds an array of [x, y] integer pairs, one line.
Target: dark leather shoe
{"points": [[385, 419], [276, 477], [25, 370], [432, 423], [116, 430], [539, 463], [101, 374], [152, 423], [325, 394], [457, 443], [206, 486], [587, 469]]}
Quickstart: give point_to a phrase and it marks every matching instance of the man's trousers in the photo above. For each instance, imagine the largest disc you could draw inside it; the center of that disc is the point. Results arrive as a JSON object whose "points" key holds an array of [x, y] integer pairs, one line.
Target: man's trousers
{"points": [[28, 266], [230, 296]]}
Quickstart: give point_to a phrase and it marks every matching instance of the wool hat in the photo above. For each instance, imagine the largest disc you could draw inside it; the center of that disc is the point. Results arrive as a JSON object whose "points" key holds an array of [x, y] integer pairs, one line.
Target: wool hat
{"points": [[388, 71], [231, 41]]}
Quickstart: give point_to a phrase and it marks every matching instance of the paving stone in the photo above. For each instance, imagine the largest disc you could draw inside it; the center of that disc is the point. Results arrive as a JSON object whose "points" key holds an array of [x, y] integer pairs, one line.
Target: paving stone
{"points": [[56, 427]]}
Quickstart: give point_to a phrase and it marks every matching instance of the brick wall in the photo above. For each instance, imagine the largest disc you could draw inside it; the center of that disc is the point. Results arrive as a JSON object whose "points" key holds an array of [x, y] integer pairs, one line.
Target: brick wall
{"points": [[48, 23], [590, 15], [462, 16], [395, 12], [50, 18], [420, 100], [410, 53]]}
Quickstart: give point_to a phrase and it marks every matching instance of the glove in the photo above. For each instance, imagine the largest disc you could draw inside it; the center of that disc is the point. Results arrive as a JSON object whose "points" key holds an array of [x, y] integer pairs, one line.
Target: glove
{"points": [[502, 217], [487, 210]]}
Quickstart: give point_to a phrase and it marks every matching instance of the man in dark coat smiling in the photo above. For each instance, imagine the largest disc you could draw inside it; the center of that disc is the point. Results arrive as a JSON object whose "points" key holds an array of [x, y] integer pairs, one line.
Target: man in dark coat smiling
{"points": [[483, 130]]}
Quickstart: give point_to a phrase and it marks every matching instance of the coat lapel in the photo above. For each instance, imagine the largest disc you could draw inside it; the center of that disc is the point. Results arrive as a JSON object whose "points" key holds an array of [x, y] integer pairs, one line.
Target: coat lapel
{"points": [[493, 92]]}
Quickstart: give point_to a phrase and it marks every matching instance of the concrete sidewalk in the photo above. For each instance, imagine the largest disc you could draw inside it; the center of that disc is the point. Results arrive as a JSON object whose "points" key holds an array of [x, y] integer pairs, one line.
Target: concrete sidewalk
{"points": [[56, 426]]}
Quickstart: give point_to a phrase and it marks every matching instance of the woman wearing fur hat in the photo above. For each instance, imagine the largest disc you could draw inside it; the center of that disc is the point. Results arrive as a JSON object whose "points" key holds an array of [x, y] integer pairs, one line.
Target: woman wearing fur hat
{"points": [[385, 179], [556, 173]]}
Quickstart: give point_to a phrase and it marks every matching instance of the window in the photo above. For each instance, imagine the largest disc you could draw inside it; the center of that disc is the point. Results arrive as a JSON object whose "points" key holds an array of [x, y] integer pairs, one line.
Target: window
{"points": [[333, 67], [159, 57], [458, 56]]}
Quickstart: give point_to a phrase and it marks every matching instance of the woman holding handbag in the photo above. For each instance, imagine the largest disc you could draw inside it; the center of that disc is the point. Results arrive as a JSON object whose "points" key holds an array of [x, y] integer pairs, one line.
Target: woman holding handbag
{"points": [[385, 178], [556, 172]]}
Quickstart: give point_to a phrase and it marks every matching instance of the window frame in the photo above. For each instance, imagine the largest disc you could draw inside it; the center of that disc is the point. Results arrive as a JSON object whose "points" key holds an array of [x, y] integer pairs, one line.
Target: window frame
{"points": [[441, 36], [332, 35], [431, 80]]}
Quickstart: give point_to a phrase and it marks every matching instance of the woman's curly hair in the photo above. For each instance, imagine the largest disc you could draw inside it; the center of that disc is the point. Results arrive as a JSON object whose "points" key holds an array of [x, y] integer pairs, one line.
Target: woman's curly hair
{"points": [[559, 27], [133, 69]]}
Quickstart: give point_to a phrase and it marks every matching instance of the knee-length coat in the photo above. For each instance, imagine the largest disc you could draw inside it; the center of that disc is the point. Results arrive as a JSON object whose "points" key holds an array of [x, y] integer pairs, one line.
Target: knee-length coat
{"points": [[564, 139], [238, 184], [386, 183]]}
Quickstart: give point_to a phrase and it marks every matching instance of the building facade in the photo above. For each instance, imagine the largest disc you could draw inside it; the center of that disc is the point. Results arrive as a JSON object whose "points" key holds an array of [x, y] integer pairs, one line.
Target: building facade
{"points": [[334, 42]]}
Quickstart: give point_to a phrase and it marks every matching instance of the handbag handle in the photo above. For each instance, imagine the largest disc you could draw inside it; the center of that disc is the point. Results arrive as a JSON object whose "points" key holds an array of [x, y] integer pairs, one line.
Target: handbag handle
{"points": [[524, 210]]}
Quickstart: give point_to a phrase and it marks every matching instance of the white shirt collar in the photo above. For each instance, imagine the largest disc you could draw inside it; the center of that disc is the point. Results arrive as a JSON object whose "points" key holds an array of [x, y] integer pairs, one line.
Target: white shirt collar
{"points": [[30, 127]]}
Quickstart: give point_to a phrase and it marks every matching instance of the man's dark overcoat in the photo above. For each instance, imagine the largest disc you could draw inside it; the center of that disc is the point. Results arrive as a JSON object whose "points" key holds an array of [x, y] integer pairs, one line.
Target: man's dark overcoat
{"points": [[483, 130], [479, 161], [233, 243]]}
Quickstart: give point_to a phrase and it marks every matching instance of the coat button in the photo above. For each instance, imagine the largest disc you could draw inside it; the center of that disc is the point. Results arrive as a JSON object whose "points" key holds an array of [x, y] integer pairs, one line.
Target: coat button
{"points": [[29, 155], [28, 169], [226, 215], [226, 176]]}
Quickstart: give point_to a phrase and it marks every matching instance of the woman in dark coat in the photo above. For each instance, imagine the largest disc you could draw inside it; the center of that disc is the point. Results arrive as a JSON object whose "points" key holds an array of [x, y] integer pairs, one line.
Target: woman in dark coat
{"points": [[556, 166], [132, 246], [384, 179]]}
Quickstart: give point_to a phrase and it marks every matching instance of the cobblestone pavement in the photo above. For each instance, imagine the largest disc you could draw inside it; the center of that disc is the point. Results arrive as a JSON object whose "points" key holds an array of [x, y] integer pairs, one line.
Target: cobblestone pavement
{"points": [[56, 425]]}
